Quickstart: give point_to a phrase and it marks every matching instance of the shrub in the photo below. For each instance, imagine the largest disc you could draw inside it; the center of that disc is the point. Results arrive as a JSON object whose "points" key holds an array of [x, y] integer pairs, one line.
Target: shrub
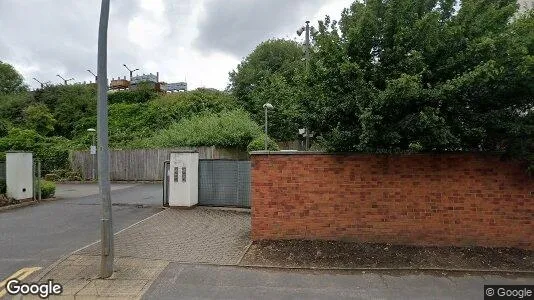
{"points": [[53, 151], [259, 144], [226, 129], [48, 189]]}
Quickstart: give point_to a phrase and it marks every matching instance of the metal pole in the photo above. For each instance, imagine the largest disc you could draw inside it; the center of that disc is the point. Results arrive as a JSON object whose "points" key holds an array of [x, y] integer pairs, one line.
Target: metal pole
{"points": [[307, 57], [266, 136], [39, 180], [106, 262], [93, 158], [307, 47]]}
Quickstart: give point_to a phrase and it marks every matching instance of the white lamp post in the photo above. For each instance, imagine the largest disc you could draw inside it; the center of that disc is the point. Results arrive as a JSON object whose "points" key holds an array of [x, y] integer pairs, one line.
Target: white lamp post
{"points": [[267, 106]]}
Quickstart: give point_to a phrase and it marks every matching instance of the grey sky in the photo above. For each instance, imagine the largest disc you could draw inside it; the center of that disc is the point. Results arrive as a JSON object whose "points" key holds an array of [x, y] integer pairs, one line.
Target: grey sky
{"points": [[201, 40]]}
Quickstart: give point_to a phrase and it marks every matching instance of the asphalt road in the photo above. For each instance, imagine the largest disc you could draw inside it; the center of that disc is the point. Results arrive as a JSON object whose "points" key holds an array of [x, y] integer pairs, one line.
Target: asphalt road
{"points": [[37, 236]]}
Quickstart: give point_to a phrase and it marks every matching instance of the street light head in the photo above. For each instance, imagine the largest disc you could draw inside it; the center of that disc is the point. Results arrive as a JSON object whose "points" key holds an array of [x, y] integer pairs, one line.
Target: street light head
{"points": [[301, 30], [91, 130], [268, 105]]}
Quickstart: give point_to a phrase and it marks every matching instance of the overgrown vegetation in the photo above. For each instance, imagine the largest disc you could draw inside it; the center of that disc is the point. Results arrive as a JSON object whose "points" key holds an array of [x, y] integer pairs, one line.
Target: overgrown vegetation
{"points": [[233, 129], [400, 75]]}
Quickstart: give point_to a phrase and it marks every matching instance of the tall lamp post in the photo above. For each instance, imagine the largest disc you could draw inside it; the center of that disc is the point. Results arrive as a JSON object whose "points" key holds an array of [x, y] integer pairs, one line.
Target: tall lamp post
{"points": [[307, 29], [41, 83], [131, 71], [93, 152], [106, 225], [65, 81], [96, 77], [267, 106]]}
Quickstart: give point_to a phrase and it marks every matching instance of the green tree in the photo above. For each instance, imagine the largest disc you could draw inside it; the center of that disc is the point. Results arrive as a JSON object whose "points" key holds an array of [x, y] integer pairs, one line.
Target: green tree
{"points": [[69, 105], [39, 118], [10, 80], [12, 107], [428, 75], [274, 73]]}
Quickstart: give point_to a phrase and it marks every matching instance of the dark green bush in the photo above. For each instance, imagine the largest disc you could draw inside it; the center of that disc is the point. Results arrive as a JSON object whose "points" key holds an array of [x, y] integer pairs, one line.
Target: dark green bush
{"points": [[53, 152], [258, 144], [48, 189], [227, 129]]}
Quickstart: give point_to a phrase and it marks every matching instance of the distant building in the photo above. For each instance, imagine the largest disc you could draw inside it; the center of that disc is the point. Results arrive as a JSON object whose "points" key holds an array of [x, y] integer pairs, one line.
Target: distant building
{"points": [[150, 81], [119, 84], [174, 87]]}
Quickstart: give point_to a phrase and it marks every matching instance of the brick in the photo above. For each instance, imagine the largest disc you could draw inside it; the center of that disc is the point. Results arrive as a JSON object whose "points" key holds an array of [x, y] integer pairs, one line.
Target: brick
{"points": [[441, 200]]}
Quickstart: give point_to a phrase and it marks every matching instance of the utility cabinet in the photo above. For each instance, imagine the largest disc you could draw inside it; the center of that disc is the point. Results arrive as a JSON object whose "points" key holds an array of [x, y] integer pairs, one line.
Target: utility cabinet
{"points": [[19, 175], [183, 178]]}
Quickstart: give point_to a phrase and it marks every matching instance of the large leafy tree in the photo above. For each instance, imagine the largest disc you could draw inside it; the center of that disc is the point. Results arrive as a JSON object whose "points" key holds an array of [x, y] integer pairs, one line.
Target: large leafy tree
{"points": [[274, 73], [10, 80], [71, 106], [39, 118], [425, 75]]}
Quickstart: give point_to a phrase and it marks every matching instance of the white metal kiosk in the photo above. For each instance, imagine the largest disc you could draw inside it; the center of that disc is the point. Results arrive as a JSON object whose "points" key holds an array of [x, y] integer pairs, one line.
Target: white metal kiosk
{"points": [[183, 178], [19, 175]]}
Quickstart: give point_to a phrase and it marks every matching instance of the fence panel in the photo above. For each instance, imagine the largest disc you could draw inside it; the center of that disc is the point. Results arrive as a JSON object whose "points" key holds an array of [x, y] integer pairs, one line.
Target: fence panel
{"points": [[224, 183], [142, 164]]}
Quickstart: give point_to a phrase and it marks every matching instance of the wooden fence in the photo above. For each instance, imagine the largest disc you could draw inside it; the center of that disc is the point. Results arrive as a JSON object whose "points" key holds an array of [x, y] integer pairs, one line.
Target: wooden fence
{"points": [[142, 164]]}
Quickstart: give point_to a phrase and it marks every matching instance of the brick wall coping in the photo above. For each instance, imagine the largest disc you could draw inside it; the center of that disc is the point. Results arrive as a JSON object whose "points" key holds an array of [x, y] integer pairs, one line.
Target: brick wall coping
{"points": [[371, 153]]}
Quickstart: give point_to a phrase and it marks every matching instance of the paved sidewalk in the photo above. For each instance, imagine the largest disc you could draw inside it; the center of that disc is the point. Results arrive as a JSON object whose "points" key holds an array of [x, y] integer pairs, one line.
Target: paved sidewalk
{"points": [[79, 276], [199, 235]]}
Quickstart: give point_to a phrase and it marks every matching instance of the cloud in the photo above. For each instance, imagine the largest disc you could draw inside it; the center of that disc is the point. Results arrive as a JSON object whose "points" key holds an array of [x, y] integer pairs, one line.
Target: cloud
{"points": [[237, 26], [199, 39]]}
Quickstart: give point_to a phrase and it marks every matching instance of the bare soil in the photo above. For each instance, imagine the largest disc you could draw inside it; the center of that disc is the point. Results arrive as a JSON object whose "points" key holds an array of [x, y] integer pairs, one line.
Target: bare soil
{"points": [[336, 254], [4, 200]]}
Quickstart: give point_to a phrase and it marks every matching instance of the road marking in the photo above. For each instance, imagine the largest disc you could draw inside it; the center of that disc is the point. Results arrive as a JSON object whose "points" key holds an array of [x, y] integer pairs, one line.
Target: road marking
{"points": [[20, 275]]}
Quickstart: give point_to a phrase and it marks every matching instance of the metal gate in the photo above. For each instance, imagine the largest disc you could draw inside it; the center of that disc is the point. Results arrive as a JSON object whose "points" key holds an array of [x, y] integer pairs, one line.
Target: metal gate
{"points": [[224, 182]]}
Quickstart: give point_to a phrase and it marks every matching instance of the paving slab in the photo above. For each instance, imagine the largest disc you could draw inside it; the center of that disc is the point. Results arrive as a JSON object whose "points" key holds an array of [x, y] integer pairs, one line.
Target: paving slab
{"points": [[79, 276], [199, 235]]}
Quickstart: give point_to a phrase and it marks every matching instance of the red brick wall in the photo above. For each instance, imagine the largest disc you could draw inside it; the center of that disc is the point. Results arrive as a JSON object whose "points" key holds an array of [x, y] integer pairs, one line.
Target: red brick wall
{"points": [[451, 199]]}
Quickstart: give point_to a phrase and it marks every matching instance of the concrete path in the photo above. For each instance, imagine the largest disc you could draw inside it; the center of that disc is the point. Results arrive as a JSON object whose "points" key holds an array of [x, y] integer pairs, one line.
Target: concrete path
{"points": [[36, 236], [180, 281]]}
